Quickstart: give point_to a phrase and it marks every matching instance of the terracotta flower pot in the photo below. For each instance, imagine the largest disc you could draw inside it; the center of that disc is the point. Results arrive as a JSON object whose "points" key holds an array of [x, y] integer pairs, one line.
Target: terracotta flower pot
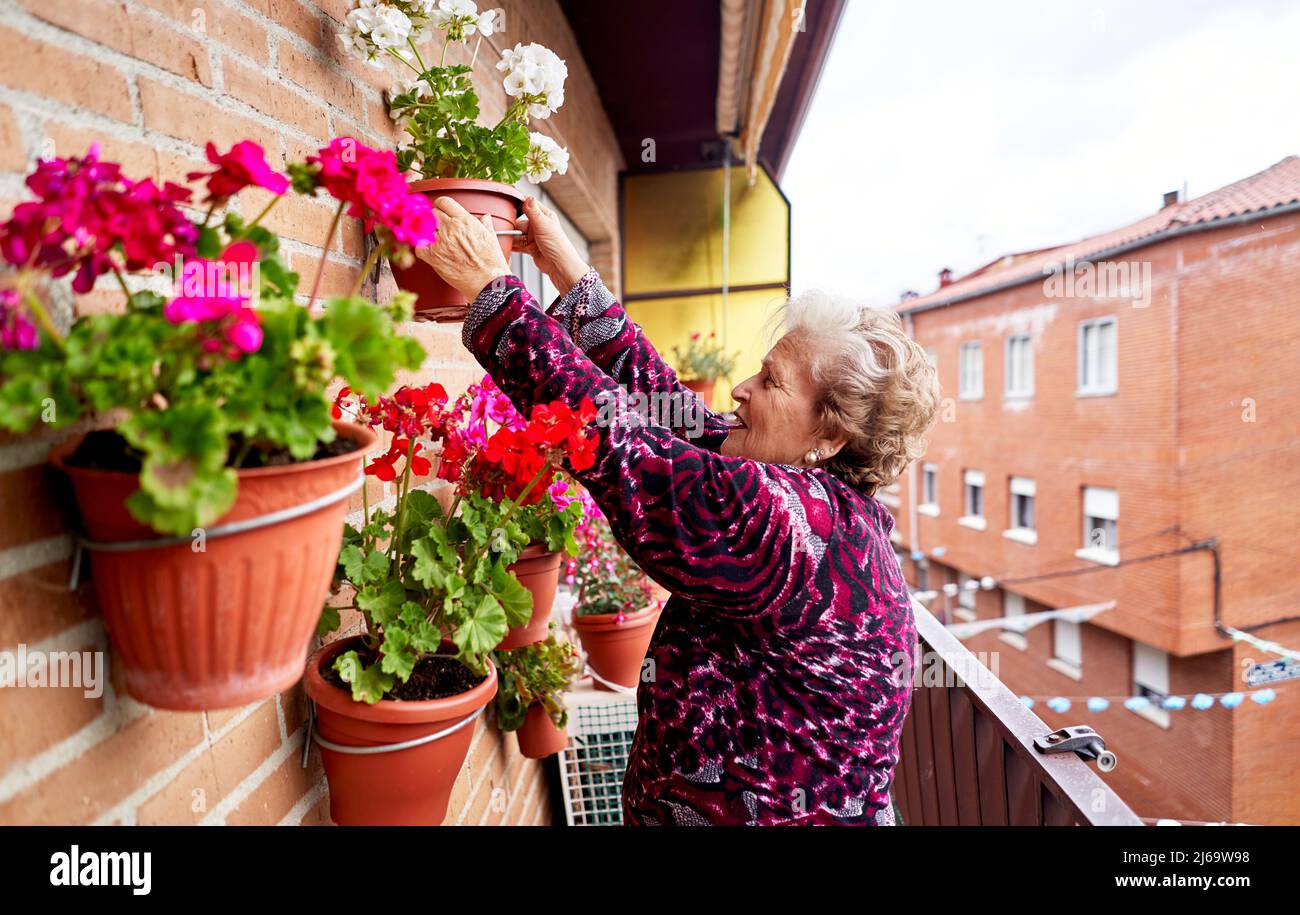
{"points": [[438, 301], [538, 736], [538, 570], [616, 649], [703, 387], [408, 787], [229, 624]]}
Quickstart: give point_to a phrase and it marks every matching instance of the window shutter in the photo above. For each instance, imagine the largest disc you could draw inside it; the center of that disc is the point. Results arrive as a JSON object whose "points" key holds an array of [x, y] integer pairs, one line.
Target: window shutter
{"points": [[1101, 503]]}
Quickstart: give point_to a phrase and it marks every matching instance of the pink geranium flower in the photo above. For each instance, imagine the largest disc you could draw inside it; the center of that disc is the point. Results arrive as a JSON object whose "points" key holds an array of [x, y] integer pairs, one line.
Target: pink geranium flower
{"points": [[369, 180], [559, 493], [244, 165], [16, 331], [491, 403], [217, 292]]}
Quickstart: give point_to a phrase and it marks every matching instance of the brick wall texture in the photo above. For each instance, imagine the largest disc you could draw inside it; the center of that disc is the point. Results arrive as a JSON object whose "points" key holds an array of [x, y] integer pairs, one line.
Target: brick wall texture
{"points": [[151, 81], [1200, 442]]}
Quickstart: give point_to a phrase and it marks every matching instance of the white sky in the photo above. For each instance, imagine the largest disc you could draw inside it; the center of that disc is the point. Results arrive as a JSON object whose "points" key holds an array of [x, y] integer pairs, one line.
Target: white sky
{"points": [[949, 133]]}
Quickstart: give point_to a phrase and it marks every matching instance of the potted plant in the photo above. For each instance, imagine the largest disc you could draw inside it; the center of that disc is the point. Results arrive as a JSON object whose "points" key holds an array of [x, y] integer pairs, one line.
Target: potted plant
{"points": [[435, 589], [530, 697], [615, 610], [449, 150], [549, 518], [212, 506], [703, 363]]}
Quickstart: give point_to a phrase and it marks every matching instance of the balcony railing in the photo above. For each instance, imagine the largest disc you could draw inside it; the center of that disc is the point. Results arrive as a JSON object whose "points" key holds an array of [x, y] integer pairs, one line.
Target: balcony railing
{"points": [[968, 759]]}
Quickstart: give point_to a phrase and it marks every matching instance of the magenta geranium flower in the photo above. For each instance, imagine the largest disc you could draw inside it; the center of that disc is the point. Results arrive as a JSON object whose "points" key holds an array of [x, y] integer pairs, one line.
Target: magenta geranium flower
{"points": [[91, 219], [559, 493], [217, 293], [491, 403], [244, 165], [370, 182], [16, 331]]}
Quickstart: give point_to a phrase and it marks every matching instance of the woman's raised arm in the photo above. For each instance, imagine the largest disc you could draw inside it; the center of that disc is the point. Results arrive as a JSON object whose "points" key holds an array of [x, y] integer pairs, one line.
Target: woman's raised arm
{"points": [[740, 536], [599, 325], [602, 329]]}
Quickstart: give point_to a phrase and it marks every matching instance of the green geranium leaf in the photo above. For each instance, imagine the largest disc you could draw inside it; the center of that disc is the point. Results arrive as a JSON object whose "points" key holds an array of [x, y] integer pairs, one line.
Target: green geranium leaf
{"points": [[398, 656], [369, 684], [515, 599], [382, 604], [483, 630], [328, 622], [209, 244], [365, 345]]}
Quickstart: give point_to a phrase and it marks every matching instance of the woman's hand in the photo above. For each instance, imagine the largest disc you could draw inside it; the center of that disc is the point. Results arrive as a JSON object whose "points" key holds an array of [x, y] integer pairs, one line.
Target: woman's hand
{"points": [[467, 254], [545, 242]]}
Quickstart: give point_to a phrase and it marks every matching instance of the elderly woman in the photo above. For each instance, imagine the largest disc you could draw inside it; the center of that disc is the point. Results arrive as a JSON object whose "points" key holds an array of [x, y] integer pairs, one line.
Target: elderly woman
{"points": [[782, 661]]}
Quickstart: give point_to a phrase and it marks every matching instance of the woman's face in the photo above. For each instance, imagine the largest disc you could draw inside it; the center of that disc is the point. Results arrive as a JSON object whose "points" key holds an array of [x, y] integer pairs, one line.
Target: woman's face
{"points": [[777, 407]]}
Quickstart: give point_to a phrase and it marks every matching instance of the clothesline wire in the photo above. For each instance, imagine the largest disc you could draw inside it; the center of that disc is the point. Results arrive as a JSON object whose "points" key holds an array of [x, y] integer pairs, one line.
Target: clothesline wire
{"points": [[1066, 573], [1231, 692]]}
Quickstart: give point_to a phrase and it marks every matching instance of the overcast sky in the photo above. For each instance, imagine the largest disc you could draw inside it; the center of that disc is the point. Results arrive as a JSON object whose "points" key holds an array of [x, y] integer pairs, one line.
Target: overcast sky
{"points": [[949, 133]]}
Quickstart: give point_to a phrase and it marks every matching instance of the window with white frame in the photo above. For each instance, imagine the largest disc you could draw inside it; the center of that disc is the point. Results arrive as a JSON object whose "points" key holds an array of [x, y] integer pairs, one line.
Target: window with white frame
{"points": [[973, 498], [1098, 357], [1020, 366], [1013, 605], [1100, 525], [1151, 680], [1022, 503], [930, 486], [966, 590], [970, 384], [1067, 647]]}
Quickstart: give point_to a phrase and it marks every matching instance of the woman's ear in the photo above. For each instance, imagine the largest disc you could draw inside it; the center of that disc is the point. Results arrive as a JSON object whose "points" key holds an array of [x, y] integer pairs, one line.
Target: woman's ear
{"points": [[830, 447]]}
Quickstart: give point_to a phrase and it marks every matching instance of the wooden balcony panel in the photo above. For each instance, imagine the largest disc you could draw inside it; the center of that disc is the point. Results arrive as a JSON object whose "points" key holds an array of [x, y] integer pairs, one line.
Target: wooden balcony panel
{"points": [[967, 755]]}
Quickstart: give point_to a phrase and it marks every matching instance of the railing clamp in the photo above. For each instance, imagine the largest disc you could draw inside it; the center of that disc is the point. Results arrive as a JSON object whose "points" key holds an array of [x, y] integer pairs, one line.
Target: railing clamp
{"points": [[1080, 739]]}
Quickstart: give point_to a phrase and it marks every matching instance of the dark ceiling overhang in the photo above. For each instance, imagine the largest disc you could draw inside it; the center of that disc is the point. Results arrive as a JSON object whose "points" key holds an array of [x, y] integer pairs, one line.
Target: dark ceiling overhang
{"points": [[655, 65]]}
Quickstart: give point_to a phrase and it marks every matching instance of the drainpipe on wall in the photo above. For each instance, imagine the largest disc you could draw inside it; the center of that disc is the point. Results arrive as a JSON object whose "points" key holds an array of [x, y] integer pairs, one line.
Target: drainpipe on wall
{"points": [[914, 533]]}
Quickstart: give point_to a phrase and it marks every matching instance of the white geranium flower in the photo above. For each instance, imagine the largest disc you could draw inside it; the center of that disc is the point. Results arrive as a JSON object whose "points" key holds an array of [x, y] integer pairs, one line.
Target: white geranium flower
{"points": [[544, 158], [391, 28], [460, 19], [536, 72], [486, 22]]}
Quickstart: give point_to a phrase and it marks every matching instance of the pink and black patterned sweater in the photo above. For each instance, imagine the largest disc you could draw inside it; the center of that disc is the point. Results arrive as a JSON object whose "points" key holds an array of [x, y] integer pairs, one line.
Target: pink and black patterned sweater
{"points": [[782, 662]]}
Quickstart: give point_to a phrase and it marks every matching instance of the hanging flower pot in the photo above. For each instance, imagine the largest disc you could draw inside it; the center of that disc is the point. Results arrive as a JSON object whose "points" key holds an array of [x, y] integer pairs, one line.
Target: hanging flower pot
{"points": [[539, 737], [538, 570], [217, 620], [703, 387], [704, 361], [436, 300], [530, 699], [616, 645], [393, 762]]}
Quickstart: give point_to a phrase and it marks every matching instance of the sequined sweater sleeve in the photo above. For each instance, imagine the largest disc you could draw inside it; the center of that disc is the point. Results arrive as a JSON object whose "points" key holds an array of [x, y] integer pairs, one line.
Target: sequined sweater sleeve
{"points": [[736, 535], [600, 326]]}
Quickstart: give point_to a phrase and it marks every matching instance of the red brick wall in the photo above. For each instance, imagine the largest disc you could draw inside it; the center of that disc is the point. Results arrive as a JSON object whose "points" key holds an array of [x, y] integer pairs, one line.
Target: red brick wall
{"points": [[150, 81], [1190, 460]]}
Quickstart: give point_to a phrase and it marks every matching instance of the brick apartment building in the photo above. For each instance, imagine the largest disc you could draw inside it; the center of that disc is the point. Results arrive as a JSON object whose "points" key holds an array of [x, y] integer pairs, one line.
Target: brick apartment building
{"points": [[1106, 401]]}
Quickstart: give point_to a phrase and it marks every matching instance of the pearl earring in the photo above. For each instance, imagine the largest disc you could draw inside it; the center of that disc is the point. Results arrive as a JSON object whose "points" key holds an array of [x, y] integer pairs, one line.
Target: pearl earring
{"points": [[813, 456]]}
